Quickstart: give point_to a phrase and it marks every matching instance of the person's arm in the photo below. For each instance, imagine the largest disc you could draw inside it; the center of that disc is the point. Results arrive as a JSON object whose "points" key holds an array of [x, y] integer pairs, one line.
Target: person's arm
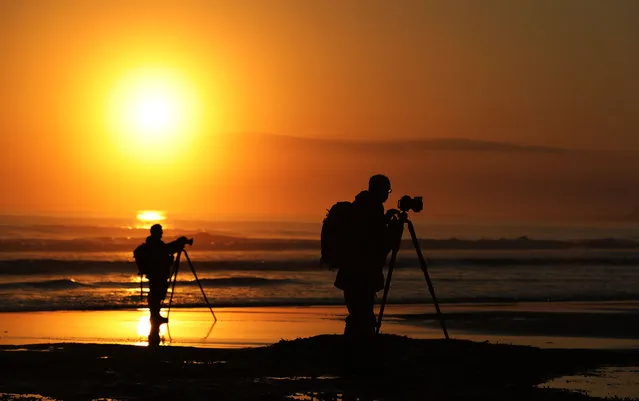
{"points": [[393, 230], [377, 237]]}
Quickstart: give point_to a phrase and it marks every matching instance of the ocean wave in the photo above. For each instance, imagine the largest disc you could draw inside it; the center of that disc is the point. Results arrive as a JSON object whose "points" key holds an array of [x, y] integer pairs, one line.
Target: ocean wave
{"points": [[624, 260], [74, 267], [70, 284], [208, 241], [226, 282], [242, 282], [48, 266], [221, 282], [58, 284]]}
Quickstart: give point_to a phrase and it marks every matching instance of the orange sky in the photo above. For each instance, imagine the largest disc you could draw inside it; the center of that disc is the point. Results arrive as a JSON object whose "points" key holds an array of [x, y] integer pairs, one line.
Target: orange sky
{"points": [[556, 74]]}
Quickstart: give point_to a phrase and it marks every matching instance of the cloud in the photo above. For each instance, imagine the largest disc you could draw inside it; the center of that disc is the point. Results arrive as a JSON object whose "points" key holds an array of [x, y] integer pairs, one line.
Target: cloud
{"points": [[400, 145], [462, 144], [457, 176]]}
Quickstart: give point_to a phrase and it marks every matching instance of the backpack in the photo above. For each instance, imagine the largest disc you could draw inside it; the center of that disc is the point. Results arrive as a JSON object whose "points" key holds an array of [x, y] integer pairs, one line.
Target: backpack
{"points": [[337, 235], [141, 256]]}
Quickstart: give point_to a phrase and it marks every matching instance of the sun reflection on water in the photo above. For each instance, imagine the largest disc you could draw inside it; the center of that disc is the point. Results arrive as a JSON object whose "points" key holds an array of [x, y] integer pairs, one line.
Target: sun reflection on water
{"points": [[146, 218]]}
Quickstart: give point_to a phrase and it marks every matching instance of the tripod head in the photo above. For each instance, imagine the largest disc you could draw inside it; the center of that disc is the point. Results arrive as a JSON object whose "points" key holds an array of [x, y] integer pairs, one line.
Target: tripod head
{"points": [[395, 216]]}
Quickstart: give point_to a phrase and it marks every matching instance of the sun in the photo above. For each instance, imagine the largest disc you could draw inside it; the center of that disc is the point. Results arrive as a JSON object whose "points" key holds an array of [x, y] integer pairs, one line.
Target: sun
{"points": [[151, 111], [155, 112]]}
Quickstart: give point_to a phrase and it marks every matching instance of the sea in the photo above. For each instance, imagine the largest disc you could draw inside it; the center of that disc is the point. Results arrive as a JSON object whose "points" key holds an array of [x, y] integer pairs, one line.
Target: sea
{"points": [[51, 264]]}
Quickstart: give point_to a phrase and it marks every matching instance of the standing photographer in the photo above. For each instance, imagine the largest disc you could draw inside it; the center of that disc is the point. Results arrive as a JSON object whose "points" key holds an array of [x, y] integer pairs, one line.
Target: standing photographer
{"points": [[362, 276], [159, 260]]}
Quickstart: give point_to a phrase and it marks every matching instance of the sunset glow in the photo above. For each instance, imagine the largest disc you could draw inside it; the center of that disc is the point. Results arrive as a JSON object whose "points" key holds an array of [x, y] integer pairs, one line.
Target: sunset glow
{"points": [[200, 108], [152, 111], [251, 147]]}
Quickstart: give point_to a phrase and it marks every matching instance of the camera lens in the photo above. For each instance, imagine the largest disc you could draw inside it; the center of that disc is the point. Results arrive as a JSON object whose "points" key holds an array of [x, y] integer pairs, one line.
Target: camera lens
{"points": [[407, 203]]}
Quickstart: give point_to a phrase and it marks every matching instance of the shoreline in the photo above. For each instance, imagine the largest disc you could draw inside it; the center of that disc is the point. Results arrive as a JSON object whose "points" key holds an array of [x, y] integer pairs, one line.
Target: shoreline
{"points": [[593, 325]]}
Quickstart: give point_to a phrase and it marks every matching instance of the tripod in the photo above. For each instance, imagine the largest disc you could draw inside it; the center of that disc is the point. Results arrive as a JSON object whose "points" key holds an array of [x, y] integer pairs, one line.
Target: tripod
{"points": [[176, 270], [403, 219]]}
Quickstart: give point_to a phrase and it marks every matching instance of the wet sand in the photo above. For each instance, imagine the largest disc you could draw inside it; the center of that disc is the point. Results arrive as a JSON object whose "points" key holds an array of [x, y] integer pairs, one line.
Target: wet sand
{"points": [[285, 353], [608, 325], [593, 325]]}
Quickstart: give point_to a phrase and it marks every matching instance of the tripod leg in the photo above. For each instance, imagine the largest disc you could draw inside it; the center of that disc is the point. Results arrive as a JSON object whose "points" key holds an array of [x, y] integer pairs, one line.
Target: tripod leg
{"points": [[177, 269], [391, 267], [422, 262], [200, 284]]}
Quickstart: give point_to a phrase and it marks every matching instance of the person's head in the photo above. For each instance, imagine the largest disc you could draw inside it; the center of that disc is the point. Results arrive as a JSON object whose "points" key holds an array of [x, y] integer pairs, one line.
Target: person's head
{"points": [[156, 231], [379, 186]]}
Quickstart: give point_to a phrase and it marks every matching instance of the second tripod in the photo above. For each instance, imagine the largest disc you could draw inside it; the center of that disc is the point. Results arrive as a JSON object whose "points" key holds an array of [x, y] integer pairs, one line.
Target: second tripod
{"points": [[401, 221], [176, 270]]}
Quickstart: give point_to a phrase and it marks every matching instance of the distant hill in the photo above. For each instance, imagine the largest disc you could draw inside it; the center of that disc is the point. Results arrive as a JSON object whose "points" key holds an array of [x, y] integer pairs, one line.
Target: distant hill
{"points": [[399, 145]]}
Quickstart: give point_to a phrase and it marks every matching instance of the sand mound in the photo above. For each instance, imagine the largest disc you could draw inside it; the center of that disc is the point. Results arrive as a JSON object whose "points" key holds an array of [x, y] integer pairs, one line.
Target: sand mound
{"points": [[398, 368]]}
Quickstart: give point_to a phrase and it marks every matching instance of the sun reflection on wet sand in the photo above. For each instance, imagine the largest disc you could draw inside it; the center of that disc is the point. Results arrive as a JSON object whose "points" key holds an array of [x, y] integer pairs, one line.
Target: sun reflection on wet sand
{"points": [[241, 327], [236, 327], [144, 326]]}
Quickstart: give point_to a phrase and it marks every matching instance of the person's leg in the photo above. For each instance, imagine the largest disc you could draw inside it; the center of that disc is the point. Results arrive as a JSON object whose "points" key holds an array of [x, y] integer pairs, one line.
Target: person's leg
{"points": [[153, 299], [157, 293], [351, 300], [350, 351], [359, 331], [371, 320], [361, 318]]}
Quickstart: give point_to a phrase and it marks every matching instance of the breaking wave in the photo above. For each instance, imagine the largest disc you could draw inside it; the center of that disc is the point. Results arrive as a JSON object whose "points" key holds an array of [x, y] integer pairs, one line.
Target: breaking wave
{"points": [[70, 284], [74, 267], [59, 284], [207, 241]]}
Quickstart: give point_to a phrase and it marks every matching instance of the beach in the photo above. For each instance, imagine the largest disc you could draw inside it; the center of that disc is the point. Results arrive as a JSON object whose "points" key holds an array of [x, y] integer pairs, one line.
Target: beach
{"points": [[528, 319], [496, 351], [194, 194]]}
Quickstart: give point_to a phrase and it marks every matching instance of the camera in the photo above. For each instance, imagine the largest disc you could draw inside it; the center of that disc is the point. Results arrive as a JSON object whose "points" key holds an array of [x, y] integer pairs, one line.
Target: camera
{"points": [[186, 241], [407, 203]]}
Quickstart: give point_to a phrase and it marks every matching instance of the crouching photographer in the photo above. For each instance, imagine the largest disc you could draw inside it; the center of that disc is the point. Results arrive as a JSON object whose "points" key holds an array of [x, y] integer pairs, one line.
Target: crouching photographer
{"points": [[158, 262]]}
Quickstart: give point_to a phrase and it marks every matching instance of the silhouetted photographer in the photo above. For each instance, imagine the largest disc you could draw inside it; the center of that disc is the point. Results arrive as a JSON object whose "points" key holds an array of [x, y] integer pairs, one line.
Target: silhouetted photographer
{"points": [[356, 241], [155, 260]]}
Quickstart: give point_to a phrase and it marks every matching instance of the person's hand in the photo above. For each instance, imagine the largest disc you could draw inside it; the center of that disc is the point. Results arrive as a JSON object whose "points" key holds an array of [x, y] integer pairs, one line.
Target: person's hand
{"points": [[395, 230], [392, 213]]}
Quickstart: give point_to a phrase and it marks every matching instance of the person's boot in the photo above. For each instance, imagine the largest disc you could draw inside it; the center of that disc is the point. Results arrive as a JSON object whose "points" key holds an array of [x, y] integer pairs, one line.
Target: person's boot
{"points": [[162, 320], [156, 318], [154, 336]]}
